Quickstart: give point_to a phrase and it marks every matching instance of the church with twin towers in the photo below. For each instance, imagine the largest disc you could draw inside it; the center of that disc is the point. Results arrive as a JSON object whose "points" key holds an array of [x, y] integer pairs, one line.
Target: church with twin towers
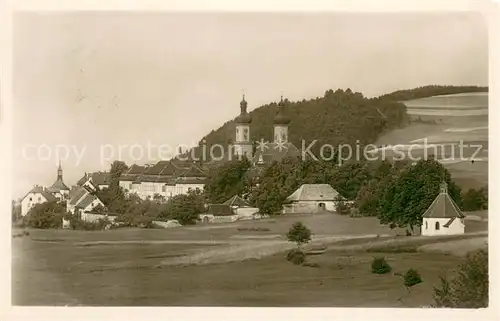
{"points": [[267, 151]]}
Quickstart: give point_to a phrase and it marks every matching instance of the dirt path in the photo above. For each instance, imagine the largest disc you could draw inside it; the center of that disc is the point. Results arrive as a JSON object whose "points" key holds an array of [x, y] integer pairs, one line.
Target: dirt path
{"points": [[249, 249]]}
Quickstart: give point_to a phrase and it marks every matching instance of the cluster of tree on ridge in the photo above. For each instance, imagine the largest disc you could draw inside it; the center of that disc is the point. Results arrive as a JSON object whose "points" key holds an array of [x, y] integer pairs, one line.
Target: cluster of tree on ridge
{"points": [[429, 91], [339, 117], [397, 193]]}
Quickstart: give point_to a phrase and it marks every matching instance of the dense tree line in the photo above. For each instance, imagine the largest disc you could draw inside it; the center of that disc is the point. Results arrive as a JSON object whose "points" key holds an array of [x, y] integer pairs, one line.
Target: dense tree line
{"points": [[339, 117], [475, 199]]}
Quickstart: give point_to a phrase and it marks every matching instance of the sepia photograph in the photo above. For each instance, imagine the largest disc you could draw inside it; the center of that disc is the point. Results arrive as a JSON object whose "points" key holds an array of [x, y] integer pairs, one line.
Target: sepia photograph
{"points": [[250, 159]]}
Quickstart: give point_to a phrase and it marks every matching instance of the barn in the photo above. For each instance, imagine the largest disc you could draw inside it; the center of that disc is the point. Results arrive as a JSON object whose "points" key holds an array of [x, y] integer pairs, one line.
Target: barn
{"points": [[311, 198]]}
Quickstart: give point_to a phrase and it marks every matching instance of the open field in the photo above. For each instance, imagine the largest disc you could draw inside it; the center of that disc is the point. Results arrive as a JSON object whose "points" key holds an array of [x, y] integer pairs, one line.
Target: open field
{"points": [[451, 124], [135, 267]]}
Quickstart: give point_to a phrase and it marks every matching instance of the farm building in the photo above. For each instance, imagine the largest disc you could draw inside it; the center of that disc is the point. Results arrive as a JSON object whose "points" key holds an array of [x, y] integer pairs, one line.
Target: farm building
{"points": [[235, 208], [241, 208], [443, 217], [219, 213], [311, 198]]}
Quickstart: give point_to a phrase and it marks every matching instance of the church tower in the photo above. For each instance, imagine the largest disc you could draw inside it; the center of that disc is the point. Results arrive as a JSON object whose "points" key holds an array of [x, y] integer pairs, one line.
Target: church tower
{"points": [[60, 172], [242, 144], [281, 122]]}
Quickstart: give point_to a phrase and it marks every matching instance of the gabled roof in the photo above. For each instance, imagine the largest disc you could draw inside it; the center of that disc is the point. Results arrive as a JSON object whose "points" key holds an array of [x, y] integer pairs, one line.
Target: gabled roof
{"points": [[193, 171], [313, 192], [220, 210], [236, 201], [156, 168], [443, 206], [98, 178], [40, 190], [86, 201], [135, 170], [58, 186], [275, 152], [78, 193]]}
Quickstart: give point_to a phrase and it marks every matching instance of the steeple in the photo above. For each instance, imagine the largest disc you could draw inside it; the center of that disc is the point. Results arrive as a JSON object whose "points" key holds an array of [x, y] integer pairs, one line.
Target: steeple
{"points": [[242, 143], [244, 117], [281, 118], [59, 172]]}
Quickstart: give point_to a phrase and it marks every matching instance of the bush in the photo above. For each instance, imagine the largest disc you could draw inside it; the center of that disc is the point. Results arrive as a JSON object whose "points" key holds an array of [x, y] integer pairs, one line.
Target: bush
{"points": [[380, 266], [411, 278], [76, 223], [341, 207], [45, 215], [296, 256], [299, 233], [469, 289]]}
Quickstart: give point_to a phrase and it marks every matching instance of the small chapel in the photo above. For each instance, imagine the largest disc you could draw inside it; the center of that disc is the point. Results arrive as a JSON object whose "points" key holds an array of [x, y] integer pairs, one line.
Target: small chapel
{"points": [[443, 217]]}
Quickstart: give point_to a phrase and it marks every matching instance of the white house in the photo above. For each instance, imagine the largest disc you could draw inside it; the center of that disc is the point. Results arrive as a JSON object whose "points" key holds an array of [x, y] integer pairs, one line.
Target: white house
{"points": [[241, 208], [83, 199], [311, 198], [98, 179], [443, 217], [37, 195], [219, 213]]}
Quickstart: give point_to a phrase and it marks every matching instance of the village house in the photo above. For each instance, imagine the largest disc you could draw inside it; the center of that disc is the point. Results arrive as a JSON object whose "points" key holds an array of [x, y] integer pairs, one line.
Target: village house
{"points": [[98, 179], [234, 209], [83, 198], [311, 198], [58, 191], [219, 213], [443, 217]]}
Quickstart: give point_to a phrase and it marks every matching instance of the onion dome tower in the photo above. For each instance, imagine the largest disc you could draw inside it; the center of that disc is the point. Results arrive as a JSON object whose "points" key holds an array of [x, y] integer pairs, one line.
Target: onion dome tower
{"points": [[281, 122], [242, 144]]}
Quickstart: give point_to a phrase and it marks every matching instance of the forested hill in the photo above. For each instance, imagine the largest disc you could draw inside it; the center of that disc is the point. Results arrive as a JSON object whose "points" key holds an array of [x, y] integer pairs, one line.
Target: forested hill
{"points": [[339, 117], [433, 90]]}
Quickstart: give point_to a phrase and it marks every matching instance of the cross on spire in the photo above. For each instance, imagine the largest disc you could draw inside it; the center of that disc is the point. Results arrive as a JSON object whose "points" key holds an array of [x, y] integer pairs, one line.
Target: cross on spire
{"points": [[443, 188]]}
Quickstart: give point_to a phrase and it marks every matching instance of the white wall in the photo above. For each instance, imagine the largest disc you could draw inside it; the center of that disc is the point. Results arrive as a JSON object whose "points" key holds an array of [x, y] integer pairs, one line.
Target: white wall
{"points": [[246, 212], [308, 207], [429, 227], [91, 217], [92, 205], [30, 201], [280, 133]]}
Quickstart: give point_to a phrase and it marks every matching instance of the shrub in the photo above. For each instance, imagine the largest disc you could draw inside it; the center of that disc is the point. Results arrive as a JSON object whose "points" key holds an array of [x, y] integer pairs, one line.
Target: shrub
{"points": [[380, 266], [299, 233], [341, 207], [469, 288], [411, 278], [296, 256]]}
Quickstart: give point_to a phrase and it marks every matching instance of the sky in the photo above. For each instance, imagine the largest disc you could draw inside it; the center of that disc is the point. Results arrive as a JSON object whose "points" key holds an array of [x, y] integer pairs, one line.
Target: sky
{"points": [[87, 85]]}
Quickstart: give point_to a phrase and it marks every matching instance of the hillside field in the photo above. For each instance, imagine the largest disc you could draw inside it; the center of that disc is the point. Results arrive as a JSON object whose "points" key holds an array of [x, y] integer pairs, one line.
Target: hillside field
{"points": [[134, 266]]}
